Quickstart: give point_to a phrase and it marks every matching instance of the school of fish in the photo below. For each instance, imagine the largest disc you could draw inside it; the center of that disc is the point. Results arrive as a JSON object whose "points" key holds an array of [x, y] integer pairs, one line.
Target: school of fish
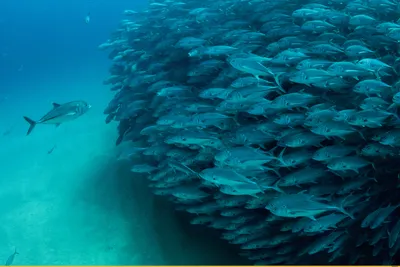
{"points": [[274, 122]]}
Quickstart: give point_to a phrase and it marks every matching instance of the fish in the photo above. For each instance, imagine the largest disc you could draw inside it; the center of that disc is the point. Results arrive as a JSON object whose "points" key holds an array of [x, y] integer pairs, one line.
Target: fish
{"points": [[394, 234], [11, 258], [60, 113], [301, 205], [8, 131], [228, 177], [52, 149], [324, 223], [87, 18]]}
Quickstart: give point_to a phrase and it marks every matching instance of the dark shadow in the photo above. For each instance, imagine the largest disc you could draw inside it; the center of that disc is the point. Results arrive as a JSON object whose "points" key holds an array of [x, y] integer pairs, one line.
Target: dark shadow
{"points": [[154, 224]]}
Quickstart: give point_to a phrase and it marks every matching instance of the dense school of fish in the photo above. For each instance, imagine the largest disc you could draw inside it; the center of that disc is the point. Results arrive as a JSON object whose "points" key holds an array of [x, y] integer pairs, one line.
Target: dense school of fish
{"points": [[274, 122]]}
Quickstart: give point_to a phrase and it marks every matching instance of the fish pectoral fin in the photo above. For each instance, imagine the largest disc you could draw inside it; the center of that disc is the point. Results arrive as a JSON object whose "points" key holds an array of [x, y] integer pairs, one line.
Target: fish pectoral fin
{"points": [[55, 105], [311, 218], [58, 124]]}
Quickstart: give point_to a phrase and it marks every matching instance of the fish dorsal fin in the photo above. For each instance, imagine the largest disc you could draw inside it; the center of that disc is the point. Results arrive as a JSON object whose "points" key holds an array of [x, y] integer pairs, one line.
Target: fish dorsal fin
{"points": [[56, 105]]}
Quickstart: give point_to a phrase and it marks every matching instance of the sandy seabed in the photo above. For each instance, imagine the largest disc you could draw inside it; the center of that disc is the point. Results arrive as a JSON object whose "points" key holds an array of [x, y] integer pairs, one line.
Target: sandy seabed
{"points": [[79, 205]]}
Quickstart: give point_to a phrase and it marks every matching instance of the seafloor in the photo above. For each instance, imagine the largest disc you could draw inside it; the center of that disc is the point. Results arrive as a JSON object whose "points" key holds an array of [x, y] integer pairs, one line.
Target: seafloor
{"points": [[79, 205]]}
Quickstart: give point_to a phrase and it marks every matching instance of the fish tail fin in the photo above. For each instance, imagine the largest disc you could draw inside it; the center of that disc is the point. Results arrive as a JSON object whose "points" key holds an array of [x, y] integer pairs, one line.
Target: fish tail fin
{"points": [[275, 171], [235, 119], [280, 156], [361, 134], [276, 79], [278, 82], [392, 108], [342, 209], [32, 124], [260, 187], [275, 186], [16, 252]]}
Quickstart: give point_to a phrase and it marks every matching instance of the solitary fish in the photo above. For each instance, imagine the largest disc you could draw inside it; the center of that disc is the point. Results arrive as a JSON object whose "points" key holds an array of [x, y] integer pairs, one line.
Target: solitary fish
{"points": [[11, 258], [52, 149], [87, 18], [8, 131], [60, 113]]}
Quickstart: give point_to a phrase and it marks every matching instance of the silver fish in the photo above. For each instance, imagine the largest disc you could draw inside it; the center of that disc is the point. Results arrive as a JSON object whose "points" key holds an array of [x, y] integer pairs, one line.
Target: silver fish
{"points": [[60, 113]]}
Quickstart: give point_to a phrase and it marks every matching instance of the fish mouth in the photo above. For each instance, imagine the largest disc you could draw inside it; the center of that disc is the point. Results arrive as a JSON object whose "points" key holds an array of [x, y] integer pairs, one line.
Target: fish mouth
{"points": [[89, 106]]}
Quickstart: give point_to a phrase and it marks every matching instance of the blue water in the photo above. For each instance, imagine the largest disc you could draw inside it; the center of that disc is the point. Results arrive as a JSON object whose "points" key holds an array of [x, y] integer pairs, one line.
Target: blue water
{"points": [[77, 205]]}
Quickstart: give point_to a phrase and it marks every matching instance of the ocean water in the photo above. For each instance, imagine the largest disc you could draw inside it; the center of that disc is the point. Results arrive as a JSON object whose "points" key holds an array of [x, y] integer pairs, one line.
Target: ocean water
{"points": [[77, 205]]}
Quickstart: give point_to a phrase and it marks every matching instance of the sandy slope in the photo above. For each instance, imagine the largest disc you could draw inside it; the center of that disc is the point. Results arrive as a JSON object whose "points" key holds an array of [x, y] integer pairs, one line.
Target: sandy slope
{"points": [[77, 205]]}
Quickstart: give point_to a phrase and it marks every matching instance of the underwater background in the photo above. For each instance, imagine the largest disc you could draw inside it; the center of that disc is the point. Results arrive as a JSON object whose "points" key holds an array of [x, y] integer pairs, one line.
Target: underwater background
{"points": [[200, 132], [77, 205]]}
